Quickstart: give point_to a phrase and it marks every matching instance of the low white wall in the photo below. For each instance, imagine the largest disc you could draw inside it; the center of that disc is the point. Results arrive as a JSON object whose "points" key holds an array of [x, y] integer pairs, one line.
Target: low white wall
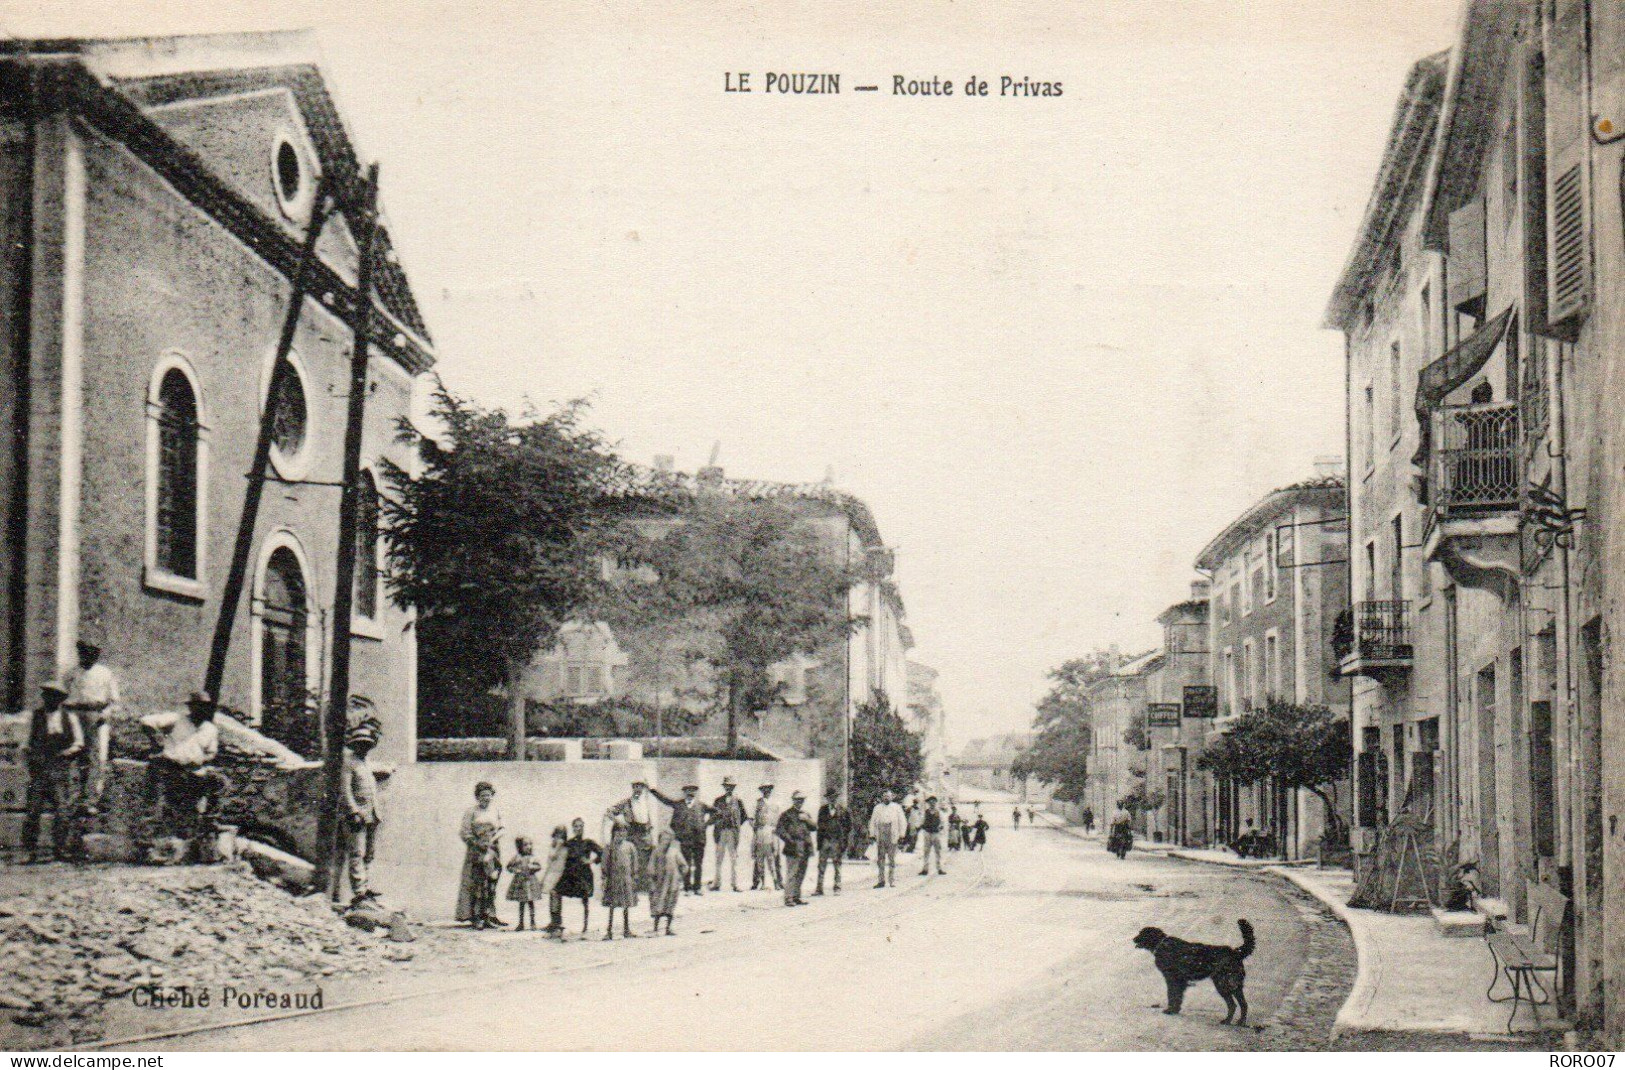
{"points": [[419, 854]]}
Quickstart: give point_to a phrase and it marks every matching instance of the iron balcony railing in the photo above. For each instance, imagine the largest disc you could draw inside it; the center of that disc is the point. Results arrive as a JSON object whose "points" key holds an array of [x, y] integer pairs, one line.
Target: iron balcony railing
{"points": [[1382, 630], [1476, 458]]}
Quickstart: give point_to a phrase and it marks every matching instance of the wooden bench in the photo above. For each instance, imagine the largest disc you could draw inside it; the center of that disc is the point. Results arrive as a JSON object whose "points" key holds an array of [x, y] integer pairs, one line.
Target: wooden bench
{"points": [[1522, 959]]}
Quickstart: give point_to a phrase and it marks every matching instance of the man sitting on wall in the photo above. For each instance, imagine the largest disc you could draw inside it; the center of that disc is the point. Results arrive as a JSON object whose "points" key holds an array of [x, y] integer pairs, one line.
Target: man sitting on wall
{"points": [[179, 777]]}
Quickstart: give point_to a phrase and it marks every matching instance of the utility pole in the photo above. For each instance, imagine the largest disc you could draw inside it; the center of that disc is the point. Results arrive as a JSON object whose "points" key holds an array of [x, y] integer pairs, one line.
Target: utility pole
{"points": [[338, 692], [280, 370]]}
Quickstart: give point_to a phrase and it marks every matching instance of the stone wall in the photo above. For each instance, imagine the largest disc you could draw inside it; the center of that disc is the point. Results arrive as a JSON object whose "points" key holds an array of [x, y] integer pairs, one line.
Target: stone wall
{"points": [[420, 856]]}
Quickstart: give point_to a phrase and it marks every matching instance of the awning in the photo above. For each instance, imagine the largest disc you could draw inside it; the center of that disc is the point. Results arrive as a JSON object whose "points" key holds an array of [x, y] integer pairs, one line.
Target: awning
{"points": [[1460, 364]]}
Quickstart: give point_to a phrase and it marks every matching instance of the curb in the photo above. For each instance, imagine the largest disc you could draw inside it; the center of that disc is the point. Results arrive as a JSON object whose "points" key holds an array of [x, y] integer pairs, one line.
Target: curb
{"points": [[1365, 983]]}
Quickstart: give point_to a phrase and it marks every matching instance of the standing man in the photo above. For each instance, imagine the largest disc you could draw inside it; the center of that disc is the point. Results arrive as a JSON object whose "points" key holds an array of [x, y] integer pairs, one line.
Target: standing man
{"points": [[911, 832], [931, 825], [688, 821], [363, 812], [55, 740], [176, 778], [637, 814], [727, 818], [764, 843], [1016, 816], [795, 831], [92, 694], [834, 837], [887, 824]]}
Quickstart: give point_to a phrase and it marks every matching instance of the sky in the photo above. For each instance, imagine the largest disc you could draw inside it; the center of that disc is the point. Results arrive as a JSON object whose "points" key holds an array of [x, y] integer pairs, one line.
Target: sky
{"points": [[1056, 343]]}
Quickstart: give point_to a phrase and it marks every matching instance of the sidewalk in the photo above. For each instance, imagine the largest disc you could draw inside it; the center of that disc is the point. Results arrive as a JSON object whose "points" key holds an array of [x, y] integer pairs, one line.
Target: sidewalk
{"points": [[1230, 858], [1411, 979]]}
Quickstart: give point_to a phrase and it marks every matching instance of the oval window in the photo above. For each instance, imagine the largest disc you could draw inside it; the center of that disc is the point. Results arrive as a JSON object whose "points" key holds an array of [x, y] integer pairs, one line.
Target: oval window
{"points": [[289, 417]]}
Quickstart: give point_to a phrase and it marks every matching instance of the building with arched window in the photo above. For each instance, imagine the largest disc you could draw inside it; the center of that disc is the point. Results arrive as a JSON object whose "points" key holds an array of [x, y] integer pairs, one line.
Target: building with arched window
{"points": [[138, 394]]}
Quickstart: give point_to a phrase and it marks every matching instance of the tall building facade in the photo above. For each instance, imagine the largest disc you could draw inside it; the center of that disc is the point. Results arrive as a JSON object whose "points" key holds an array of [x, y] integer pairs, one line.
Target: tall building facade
{"points": [[154, 195], [1279, 583]]}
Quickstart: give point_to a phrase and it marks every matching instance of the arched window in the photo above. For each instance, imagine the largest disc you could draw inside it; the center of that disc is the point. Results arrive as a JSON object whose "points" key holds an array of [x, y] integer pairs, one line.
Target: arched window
{"points": [[176, 519], [366, 548], [287, 712]]}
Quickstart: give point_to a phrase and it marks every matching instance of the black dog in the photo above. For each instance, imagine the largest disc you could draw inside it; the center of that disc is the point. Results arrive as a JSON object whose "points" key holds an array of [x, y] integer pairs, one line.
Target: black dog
{"points": [[1183, 963]]}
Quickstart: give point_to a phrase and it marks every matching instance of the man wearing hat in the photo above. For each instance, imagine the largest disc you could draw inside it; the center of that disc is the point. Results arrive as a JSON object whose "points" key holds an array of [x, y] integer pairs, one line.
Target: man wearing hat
{"points": [[727, 818], [362, 811], [931, 824], [637, 814], [764, 843], [55, 739], [834, 837], [688, 821], [92, 694], [175, 776], [795, 831]]}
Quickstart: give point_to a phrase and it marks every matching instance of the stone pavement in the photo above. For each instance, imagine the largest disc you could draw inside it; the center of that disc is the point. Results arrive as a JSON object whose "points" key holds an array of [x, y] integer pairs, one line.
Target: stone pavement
{"points": [[1412, 982]]}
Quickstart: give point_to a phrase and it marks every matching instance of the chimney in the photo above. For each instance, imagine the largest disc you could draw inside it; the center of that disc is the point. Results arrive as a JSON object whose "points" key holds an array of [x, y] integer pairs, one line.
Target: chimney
{"points": [[664, 463], [1330, 466]]}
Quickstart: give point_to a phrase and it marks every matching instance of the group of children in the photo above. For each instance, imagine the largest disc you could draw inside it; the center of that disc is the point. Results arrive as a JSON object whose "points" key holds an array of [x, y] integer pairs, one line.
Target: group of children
{"points": [[566, 873]]}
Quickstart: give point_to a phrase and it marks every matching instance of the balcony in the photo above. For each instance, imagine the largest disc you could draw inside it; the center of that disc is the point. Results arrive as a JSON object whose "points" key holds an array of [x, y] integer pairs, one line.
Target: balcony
{"points": [[1476, 470], [1377, 641]]}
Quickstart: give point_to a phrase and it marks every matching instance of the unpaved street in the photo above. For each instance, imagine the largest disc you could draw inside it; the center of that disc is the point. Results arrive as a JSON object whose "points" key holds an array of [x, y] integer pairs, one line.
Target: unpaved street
{"points": [[1025, 946]]}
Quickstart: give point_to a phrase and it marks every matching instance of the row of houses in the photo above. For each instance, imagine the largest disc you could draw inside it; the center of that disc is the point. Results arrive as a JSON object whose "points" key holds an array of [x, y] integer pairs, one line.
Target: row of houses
{"points": [[156, 196], [1257, 626], [1482, 308], [1470, 550]]}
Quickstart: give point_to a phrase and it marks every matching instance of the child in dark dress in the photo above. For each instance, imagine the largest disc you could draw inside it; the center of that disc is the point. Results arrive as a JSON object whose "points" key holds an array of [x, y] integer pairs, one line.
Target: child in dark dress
{"points": [[582, 854]]}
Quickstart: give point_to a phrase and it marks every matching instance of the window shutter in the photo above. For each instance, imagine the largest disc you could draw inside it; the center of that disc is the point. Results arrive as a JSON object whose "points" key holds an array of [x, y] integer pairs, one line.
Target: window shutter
{"points": [[1468, 280], [1568, 253]]}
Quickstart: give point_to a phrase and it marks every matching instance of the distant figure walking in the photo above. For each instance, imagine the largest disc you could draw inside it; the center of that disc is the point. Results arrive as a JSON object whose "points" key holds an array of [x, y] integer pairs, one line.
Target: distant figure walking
{"points": [[1088, 819], [931, 826], [1032, 818], [1121, 839], [956, 827], [886, 825], [1016, 817], [978, 833]]}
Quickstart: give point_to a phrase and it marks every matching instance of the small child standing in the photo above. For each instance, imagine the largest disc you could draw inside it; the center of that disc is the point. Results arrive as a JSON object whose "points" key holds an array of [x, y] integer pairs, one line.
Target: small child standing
{"points": [[620, 880], [557, 858], [669, 869], [525, 888]]}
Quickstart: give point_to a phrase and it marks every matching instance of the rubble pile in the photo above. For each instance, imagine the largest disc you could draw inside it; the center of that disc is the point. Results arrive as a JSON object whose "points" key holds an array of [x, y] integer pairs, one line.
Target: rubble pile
{"points": [[72, 949]]}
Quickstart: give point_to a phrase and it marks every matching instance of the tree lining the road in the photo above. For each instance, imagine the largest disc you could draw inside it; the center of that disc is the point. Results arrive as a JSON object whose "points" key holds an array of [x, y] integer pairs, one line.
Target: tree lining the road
{"points": [[1063, 729], [1297, 745], [740, 585], [491, 543], [886, 756]]}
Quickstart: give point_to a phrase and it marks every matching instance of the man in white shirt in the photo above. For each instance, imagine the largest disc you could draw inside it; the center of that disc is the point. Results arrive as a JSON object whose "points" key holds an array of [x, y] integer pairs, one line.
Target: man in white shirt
{"points": [[176, 781], [637, 811], [887, 825], [92, 694]]}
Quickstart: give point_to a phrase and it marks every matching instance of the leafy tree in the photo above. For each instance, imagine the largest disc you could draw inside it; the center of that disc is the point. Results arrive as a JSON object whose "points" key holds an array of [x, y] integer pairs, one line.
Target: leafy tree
{"points": [[1300, 746], [1139, 800], [492, 545], [885, 756], [750, 582], [1059, 753], [1136, 736]]}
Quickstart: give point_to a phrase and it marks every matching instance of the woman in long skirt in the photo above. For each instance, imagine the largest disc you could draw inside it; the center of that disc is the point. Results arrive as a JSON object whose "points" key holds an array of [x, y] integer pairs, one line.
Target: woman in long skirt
{"points": [[669, 871], [577, 882], [481, 833]]}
